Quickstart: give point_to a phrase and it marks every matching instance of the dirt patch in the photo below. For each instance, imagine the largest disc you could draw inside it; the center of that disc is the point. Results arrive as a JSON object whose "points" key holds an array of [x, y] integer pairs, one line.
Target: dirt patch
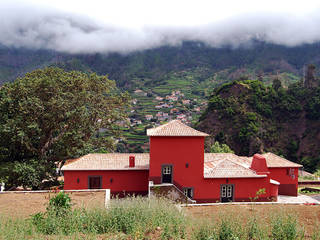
{"points": [[307, 216], [24, 204]]}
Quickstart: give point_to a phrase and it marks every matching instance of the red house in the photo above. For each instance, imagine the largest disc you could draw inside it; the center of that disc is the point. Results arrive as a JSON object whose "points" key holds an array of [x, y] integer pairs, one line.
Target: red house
{"points": [[177, 159]]}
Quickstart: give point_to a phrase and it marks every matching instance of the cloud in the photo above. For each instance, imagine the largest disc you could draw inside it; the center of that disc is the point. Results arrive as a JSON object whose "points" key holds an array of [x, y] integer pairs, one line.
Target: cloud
{"points": [[44, 28]]}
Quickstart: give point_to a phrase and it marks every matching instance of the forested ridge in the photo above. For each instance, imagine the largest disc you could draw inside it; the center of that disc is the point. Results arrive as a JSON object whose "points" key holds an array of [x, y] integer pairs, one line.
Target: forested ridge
{"points": [[251, 117]]}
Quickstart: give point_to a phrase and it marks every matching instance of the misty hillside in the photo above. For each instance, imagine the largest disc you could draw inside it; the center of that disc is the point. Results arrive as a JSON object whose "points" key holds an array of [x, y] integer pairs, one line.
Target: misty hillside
{"points": [[150, 66]]}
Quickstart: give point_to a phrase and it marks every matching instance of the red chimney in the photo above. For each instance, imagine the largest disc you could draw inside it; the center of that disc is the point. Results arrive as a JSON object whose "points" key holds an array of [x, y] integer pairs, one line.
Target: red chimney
{"points": [[259, 164], [132, 161]]}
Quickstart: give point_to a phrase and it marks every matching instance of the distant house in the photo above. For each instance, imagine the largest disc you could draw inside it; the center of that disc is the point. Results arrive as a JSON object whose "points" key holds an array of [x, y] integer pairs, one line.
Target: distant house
{"points": [[134, 101], [140, 92], [186, 102], [171, 98], [148, 117], [181, 117], [177, 159], [174, 110], [159, 98]]}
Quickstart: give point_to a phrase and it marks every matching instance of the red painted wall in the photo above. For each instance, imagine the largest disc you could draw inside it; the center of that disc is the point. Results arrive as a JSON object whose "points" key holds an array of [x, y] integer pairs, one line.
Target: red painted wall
{"points": [[244, 189], [288, 184], [130, 181], [274, 189], [177, 151]]}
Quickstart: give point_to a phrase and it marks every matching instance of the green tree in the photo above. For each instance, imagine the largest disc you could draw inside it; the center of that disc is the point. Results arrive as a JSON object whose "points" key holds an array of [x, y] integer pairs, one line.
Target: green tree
{"points": [[220, 148], [276, 84], [51, 115]]}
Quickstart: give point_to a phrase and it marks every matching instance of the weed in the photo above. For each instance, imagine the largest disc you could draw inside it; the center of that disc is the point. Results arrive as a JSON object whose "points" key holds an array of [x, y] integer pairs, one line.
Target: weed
{"points": [[285, 228]]}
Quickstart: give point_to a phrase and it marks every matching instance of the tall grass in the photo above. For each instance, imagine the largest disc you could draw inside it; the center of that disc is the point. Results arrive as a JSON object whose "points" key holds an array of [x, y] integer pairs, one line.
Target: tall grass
{"points": [[142, 218], [135, 217], [235, 228]]}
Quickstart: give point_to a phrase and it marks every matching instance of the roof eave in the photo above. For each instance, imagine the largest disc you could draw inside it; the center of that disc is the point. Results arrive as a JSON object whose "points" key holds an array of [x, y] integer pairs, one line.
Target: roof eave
{"points": [[258, 176], [299, 166], [151, 135], [104, 169]]}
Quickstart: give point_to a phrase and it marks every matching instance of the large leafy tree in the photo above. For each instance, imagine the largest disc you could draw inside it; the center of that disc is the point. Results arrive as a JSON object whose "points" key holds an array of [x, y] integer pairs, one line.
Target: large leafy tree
{"points": [[50, 115]]}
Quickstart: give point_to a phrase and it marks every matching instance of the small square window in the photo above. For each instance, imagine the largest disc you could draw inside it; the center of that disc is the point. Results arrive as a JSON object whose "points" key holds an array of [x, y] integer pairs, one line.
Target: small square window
{"points": [[167, 170], [188, 192]]}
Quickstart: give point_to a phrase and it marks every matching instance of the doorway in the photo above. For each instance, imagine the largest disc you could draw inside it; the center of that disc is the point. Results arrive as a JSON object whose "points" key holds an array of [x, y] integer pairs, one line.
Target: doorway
{"points": [[95, 182], [166, 176], [226, 192]]}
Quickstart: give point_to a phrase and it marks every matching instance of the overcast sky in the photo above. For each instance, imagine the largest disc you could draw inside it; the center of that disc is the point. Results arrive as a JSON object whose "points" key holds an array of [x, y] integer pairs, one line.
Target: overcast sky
{"points": [[124, 26]]}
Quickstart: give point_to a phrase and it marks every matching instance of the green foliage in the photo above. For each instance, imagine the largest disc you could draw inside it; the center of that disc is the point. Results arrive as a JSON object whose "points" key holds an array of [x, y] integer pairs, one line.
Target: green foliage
{"points": [[205, 232], [276, 84], [284, 228], [26, 174], [216, 102], [260, 192], [58, 209], [132, 216], [60, 202], [220, 148], [292, 149], [50, 115], [310, 163], [317, 173], [254, 231], [313, 106], [226, 231]]}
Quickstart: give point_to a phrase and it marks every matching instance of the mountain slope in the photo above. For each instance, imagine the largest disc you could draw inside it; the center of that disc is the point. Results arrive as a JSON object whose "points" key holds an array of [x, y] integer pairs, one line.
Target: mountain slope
{"points": [[151, 65], [251, 117]]}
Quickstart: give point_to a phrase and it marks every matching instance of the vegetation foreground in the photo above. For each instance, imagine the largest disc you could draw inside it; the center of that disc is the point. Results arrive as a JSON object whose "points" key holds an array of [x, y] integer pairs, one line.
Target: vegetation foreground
{"points": [[142, 218]]}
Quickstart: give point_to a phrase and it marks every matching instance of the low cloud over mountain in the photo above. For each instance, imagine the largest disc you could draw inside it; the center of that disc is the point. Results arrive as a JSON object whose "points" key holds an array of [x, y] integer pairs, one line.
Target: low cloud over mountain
{"points": [[44, 28]]}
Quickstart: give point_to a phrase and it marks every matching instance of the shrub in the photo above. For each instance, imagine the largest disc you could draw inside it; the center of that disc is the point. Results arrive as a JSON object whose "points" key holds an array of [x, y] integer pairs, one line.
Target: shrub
{"points": [[60, 203]]}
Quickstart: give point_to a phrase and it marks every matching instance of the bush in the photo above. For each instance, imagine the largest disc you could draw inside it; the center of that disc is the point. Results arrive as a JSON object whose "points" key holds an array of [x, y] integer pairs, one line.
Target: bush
{"points": [[61, 202]]}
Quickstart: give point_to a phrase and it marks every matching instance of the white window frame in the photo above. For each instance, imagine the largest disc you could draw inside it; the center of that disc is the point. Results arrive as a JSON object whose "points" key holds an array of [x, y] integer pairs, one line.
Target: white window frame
{"points": [[186, 191], [166, 170]]}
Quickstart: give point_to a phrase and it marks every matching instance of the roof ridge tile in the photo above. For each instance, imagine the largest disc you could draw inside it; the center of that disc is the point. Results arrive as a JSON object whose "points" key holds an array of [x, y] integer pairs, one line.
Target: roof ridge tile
{"points": [[175, 128]]}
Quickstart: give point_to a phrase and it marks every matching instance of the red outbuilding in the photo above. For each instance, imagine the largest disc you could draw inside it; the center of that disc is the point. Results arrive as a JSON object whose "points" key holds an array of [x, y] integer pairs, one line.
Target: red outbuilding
{"points": [[177, 159]]}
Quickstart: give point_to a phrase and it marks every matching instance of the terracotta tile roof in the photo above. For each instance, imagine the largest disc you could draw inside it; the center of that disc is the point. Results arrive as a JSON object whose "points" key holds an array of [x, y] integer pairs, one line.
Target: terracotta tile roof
{"points": [[227, 165], [174, 128], [108, 161], [274, 161], [216, 165]]}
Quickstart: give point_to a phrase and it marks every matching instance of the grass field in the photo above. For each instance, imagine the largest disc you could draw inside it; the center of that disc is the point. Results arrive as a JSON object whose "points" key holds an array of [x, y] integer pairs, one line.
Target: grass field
{"points": [[140, 218]]}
